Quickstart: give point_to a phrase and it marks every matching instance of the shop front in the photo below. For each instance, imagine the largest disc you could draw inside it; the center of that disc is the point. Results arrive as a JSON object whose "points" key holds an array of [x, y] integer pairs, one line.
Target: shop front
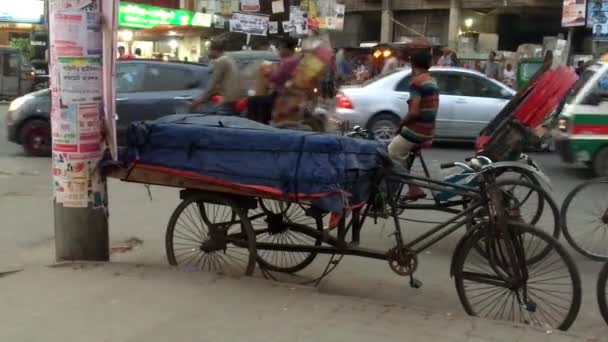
{"points": [[18, 19], [163, 33]]}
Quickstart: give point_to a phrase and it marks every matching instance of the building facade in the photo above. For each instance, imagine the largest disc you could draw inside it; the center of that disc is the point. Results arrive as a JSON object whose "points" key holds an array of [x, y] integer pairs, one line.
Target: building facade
{"points": [[514, 22]]}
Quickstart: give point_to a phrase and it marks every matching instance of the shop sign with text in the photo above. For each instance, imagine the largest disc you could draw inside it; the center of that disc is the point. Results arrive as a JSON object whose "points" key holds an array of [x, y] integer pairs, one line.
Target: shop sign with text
{"points": [[143, 16]]}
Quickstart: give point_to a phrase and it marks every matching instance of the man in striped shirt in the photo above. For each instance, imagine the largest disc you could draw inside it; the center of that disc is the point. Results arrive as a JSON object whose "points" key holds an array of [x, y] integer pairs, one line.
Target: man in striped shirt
{"points": [[418, 126]]}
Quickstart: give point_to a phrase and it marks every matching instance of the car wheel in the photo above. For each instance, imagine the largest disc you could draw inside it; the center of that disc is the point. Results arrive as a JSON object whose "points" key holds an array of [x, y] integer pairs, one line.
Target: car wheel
{"points": [[35, 137], [600, 163], [384, 127]]}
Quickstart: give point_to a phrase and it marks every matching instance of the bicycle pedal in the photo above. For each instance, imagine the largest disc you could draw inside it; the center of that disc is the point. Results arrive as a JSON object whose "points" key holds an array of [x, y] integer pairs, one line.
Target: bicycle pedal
{"points": [[415, 283]]}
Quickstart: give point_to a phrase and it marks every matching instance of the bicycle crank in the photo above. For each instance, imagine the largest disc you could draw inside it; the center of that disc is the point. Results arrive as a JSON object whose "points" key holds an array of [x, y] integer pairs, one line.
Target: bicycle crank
{"points": [[402, 261]]}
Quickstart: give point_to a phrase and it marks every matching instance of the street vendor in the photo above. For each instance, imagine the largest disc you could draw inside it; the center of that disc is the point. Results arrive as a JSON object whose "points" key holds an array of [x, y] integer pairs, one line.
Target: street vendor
{"points": [[224, 82], [418, 126]]}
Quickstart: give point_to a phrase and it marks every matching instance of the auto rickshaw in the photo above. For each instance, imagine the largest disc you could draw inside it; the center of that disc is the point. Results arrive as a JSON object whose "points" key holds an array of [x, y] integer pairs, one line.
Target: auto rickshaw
{"points": [[582, 133], [526, 68]]}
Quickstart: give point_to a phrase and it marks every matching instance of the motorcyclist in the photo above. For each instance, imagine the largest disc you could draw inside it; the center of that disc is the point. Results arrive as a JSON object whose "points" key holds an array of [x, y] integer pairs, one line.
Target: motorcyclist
{"points": [[224, 82]]}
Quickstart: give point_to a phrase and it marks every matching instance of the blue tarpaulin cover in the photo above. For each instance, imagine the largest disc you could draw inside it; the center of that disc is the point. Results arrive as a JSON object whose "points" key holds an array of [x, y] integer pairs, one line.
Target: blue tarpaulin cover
{"points": [[334, 170]]}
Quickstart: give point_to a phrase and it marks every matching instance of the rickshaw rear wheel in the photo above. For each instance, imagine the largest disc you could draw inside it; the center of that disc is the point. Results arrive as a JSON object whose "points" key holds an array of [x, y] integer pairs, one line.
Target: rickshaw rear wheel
{"points": [[512, 290], [278, 222], [212, 235]]}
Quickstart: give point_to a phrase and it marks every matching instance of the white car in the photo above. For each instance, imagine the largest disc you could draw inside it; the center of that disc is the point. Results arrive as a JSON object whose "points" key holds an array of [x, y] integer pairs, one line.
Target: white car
{"points": [[468, 100]]}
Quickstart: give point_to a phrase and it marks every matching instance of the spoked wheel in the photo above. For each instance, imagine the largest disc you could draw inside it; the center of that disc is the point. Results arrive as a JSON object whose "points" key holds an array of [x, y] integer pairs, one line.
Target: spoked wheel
{"points": [[601, 292], [585, 219], [545, 293], [527, 203], [211, 236], [278, 222]]}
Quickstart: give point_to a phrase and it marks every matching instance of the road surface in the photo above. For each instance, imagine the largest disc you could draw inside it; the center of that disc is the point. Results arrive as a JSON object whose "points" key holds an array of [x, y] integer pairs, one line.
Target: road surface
{"points": [[25, 205]]}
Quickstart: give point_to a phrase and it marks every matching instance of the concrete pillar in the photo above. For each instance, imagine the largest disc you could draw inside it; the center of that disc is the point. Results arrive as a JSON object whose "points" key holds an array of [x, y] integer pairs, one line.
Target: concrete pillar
{"points": [[80, 191], [387, 25], [454, 25]]}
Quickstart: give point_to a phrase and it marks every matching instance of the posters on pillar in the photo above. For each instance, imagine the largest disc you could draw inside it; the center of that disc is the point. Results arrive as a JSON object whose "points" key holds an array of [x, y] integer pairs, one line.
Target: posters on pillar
{"points": [[574, 13], [76, 92], [254, 24], [250, 5]]}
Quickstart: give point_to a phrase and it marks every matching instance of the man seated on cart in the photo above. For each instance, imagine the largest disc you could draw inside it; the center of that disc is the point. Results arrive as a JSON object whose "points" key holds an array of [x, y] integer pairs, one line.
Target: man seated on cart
{"points": [[418, 126]]}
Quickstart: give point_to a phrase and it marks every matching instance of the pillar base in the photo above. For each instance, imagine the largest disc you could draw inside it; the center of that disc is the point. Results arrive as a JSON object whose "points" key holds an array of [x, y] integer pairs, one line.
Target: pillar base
{"points": [[81, 234]]}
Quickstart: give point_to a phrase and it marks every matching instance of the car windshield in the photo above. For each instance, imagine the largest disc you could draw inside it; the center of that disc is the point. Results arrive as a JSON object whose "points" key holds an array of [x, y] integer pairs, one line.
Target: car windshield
{"points": [[591, 88]]}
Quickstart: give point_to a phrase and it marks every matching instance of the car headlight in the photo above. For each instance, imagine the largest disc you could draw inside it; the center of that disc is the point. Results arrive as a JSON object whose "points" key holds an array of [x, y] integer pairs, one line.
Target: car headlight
{"points": [[17, 103]]}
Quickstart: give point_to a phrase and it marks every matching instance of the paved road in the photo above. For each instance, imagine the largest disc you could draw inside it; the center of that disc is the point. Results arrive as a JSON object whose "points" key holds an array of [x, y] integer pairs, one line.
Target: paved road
{"points": [[25, 205]]}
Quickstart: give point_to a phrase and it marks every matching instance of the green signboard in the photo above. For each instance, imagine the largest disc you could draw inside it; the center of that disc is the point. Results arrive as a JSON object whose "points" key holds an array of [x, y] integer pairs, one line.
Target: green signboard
{"points": [[144, 17]]}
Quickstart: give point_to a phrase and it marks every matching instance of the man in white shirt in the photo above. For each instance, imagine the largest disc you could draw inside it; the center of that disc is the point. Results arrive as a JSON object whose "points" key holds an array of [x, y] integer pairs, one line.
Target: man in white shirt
{"points": [[508, 76]]}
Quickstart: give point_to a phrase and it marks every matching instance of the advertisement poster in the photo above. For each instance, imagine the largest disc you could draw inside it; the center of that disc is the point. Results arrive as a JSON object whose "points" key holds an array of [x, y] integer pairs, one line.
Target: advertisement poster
{"points": [[80, 80], [597, 16], [75, 128], [219, 22], [278, 7], [287, 27], [298, 20], [76, 181], [250, 5], [253, 24], [574, 13], [273, 27], [79, 33]]}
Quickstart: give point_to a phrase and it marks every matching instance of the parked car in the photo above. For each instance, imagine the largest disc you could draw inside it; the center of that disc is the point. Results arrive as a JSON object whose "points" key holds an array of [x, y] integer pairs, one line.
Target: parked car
{"points": [[146, 90], [468, 100]]}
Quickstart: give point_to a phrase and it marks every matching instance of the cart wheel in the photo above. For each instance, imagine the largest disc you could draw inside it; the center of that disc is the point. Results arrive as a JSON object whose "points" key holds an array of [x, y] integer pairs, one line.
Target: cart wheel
{"points": [[546, 293], [585, 219], [278, 222], [211, 236]]}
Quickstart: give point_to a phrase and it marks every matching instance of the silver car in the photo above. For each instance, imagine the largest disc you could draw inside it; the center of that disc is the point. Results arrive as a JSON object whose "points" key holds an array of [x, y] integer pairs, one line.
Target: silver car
{"points": [[468, 101]]}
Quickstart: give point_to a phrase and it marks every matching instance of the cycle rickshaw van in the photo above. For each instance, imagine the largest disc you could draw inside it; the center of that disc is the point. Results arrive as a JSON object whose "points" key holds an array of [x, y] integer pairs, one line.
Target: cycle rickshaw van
{"points": [[582, 133]]}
